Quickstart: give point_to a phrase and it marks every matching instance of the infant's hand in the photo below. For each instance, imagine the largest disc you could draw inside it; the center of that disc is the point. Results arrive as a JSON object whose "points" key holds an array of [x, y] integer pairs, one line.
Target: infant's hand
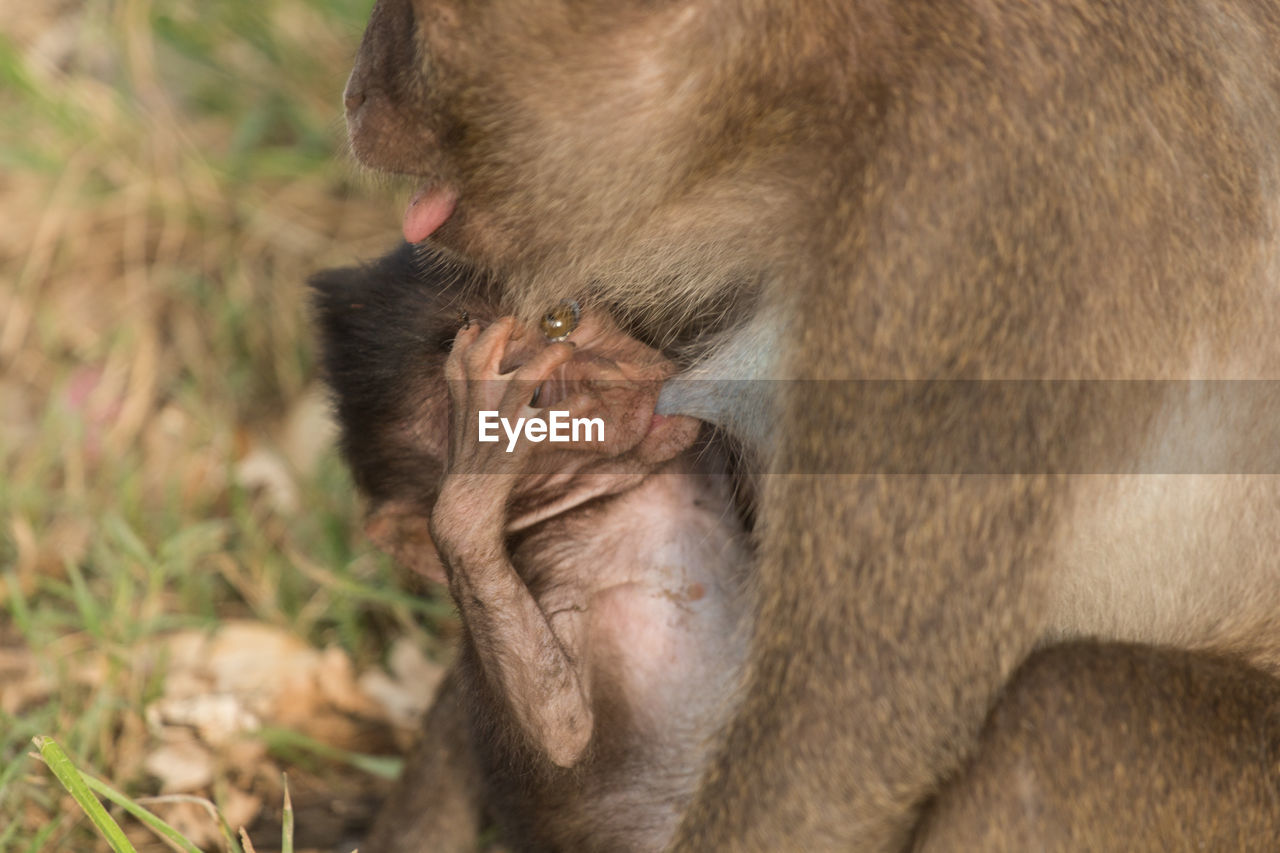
{"points": [[472, 509], [476, 385]]}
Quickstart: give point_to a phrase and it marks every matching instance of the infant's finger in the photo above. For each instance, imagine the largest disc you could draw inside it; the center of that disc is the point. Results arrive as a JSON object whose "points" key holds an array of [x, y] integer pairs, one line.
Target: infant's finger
{"points": [[462, 343], [485, 355]]}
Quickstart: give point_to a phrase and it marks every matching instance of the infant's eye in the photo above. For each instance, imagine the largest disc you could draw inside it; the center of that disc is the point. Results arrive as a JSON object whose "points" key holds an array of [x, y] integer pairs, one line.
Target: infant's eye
{"points": [[558, 323]]}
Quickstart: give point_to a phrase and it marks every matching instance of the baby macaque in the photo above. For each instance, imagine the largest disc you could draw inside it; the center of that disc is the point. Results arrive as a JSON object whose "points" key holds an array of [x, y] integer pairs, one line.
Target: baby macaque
{"points": [[599, 583]]}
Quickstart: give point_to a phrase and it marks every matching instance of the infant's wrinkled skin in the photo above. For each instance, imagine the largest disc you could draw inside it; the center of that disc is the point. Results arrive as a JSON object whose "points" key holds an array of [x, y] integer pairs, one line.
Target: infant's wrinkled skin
{"points": [[599, 586]]}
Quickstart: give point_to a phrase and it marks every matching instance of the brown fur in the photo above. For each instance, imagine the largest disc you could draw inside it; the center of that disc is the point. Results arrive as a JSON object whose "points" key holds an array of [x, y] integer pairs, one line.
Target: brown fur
{"points": [[1090, 747], [910, 190], [1120, 748]]}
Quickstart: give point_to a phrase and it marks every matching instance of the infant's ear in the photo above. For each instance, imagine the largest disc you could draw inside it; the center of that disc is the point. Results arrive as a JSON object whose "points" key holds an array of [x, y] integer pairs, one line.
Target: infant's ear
{"points": [[403, 530]]}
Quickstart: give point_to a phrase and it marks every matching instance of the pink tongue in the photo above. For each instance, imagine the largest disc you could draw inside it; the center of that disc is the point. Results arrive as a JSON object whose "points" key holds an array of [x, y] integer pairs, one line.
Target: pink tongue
{"points": [[427, 211]]}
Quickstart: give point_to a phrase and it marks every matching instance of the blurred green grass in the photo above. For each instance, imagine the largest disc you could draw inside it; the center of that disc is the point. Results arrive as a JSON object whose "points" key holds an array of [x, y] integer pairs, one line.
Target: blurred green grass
{"points": [[169, 175]]}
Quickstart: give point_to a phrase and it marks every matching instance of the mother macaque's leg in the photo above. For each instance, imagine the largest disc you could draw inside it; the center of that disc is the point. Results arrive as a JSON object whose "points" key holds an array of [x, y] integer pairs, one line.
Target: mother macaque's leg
{"points": [[1110, 747]]}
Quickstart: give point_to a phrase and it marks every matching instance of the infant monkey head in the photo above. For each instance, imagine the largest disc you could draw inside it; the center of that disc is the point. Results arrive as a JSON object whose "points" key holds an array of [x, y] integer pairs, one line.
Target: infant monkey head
{"points": [[386, 330]]}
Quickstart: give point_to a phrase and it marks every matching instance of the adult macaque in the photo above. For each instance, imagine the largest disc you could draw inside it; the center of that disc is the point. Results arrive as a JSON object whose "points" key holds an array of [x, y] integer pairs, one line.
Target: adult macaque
{"points": [[599, 585], [907, 190]]}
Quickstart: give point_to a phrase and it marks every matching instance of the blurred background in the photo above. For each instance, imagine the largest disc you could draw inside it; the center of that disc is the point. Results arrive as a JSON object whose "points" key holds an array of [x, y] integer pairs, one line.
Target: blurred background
{"points": [[187, 603]]}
